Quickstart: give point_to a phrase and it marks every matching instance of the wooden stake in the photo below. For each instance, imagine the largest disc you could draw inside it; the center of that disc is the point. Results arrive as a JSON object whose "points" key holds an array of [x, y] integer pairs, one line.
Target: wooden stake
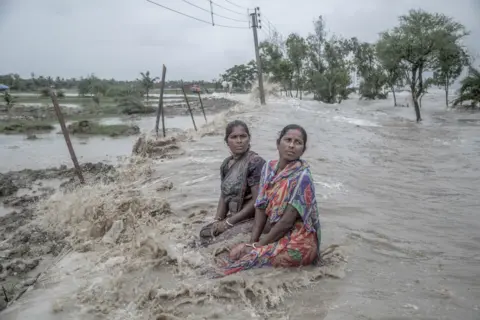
{"points": [[61, 120], [201, 106], [188, 105], [160, 104]]}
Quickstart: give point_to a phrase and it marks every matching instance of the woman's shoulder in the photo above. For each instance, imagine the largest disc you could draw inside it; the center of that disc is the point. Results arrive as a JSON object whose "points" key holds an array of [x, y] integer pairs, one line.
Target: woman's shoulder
{"points": [[306, 172], [225, 162], [255, 158], [271, 164]]}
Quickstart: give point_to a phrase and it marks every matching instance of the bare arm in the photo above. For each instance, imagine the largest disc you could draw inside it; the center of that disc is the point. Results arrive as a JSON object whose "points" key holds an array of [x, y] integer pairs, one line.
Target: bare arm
{"points": [[259, 224], [281, 227], [248, 209], [222, 209]]}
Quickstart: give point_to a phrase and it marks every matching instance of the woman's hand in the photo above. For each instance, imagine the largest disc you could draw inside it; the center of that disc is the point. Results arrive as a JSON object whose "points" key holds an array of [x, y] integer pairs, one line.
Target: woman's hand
{"points": [[239, 251], [220, 227]]}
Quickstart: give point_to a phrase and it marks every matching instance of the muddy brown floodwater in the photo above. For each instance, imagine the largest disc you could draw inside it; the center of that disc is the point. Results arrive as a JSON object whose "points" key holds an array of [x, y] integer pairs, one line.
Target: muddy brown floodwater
{"points": [[400, 198]]}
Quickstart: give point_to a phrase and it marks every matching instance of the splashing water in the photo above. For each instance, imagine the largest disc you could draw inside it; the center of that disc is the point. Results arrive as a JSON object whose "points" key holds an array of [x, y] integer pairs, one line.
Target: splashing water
{"points": [[401, 207], [138, 262]]}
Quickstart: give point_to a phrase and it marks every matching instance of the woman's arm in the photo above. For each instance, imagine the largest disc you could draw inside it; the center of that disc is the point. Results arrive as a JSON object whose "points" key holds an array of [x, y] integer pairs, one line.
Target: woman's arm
{"points": [[258, 225], [280, 228], [248, 209], [222, 209], [261, 202]]}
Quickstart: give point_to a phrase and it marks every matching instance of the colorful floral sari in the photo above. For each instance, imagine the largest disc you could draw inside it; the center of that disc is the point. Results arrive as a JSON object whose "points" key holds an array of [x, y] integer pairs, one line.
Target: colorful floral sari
{"points": [[301, 245]]}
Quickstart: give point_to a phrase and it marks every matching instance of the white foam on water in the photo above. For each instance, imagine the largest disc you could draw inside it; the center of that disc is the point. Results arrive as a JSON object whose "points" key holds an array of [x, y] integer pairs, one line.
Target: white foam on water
{"points": [[358, 122]]}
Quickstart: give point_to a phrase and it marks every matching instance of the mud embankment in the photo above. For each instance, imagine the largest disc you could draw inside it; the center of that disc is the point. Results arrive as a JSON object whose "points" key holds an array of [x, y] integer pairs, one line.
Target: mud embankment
{"points": [[24, 245]]}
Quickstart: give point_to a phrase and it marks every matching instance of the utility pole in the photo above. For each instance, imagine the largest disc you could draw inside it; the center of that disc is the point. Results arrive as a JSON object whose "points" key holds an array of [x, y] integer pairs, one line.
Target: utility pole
{"points": [[211, 12], [255, 25]]}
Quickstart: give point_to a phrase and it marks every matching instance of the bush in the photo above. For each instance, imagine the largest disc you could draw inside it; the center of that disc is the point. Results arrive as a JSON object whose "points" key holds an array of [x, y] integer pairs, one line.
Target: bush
{"points": [[45, 92], [94, 128], [133, 105]]}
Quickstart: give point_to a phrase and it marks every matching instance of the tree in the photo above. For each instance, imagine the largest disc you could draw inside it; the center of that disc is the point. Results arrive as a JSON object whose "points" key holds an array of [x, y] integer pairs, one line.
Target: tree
{"points": [[241, 75], [449, 65], [274, 64], [7, 97], [391, 62], [147, 83], [370, 70], [418, 40], [332, 85], [85, 86], [470, 88], [328, 68], [316, 46], [297, 53], [270, 55]]}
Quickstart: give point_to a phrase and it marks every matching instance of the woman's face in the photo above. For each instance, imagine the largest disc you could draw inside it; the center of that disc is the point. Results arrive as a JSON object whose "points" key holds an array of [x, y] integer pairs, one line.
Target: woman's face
{"points": [[291, 146], [238, 141]]}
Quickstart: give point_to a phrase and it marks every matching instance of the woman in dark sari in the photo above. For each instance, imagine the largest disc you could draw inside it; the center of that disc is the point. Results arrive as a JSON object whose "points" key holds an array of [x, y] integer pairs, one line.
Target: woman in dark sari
{"points": [[240, 176]]}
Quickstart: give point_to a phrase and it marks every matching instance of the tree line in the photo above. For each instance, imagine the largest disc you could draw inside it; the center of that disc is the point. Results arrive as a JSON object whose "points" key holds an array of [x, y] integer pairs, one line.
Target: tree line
{"points": [[323, 64], [93, 85]]}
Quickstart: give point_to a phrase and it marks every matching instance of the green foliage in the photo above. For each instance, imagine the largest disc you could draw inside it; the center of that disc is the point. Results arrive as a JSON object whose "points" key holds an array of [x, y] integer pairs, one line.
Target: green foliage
{"points": [[279, 69], [94, 128], [7, 97], [83, 85], [317, 64], [242, 76], [370, 70], [23, 126], [470, 89], [418, 42], [448, 65], [332, 83], [391, 62], [297, 53], [322, 64], [147, 83], [45, 92]]}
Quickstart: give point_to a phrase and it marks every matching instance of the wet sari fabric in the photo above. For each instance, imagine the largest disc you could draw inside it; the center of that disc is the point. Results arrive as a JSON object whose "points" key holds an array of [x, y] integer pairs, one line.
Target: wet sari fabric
{"points": [[239, 178], [300, 246]]}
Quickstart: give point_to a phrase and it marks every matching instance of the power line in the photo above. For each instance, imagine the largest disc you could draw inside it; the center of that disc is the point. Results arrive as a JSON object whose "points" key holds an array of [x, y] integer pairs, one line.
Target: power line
{"points": [[236, 5], [215, 14], [183, 14], [220, 6], [195, 18]]}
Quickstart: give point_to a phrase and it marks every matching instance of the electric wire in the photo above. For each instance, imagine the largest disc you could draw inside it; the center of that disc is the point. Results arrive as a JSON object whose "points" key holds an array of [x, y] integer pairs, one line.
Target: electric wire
{"points": [[195, 18], [215, 14]]}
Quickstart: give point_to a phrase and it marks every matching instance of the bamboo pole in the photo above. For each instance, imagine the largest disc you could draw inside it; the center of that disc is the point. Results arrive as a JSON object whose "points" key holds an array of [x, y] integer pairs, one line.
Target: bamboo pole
{"points": [[61, 120], [201, 106], [188, 105], [160, 104]]}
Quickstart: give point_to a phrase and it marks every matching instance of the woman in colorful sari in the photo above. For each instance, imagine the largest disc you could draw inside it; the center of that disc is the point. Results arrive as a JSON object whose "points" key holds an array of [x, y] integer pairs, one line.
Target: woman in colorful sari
{"points": [[240, 177], [286, 212]]}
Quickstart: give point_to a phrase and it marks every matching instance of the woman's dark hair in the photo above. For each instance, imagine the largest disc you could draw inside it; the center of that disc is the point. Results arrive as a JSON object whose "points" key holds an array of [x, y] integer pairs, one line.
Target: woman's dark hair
{"points": [[294, 127], [232, 125]]}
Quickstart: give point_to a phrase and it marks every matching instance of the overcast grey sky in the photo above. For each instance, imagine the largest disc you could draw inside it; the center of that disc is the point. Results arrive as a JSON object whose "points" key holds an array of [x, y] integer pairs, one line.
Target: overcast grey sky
{"points": [[120, 38]]}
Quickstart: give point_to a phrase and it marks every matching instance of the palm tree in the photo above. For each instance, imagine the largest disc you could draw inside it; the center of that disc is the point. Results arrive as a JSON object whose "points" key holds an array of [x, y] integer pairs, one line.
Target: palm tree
{"points": [[146, 82], [470, 88]]}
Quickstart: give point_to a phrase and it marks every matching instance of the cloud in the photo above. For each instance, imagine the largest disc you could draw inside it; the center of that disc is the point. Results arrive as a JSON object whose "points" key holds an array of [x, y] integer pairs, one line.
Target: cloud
{"points": [[120, 38]]}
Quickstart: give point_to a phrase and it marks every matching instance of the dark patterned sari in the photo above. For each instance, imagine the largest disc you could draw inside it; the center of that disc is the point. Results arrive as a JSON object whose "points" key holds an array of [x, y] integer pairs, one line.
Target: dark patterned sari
{"points": [[237, 180]]}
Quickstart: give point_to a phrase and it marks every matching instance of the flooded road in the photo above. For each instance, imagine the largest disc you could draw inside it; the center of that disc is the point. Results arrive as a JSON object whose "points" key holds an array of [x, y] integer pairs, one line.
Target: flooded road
{"points": [[400, 198]]}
